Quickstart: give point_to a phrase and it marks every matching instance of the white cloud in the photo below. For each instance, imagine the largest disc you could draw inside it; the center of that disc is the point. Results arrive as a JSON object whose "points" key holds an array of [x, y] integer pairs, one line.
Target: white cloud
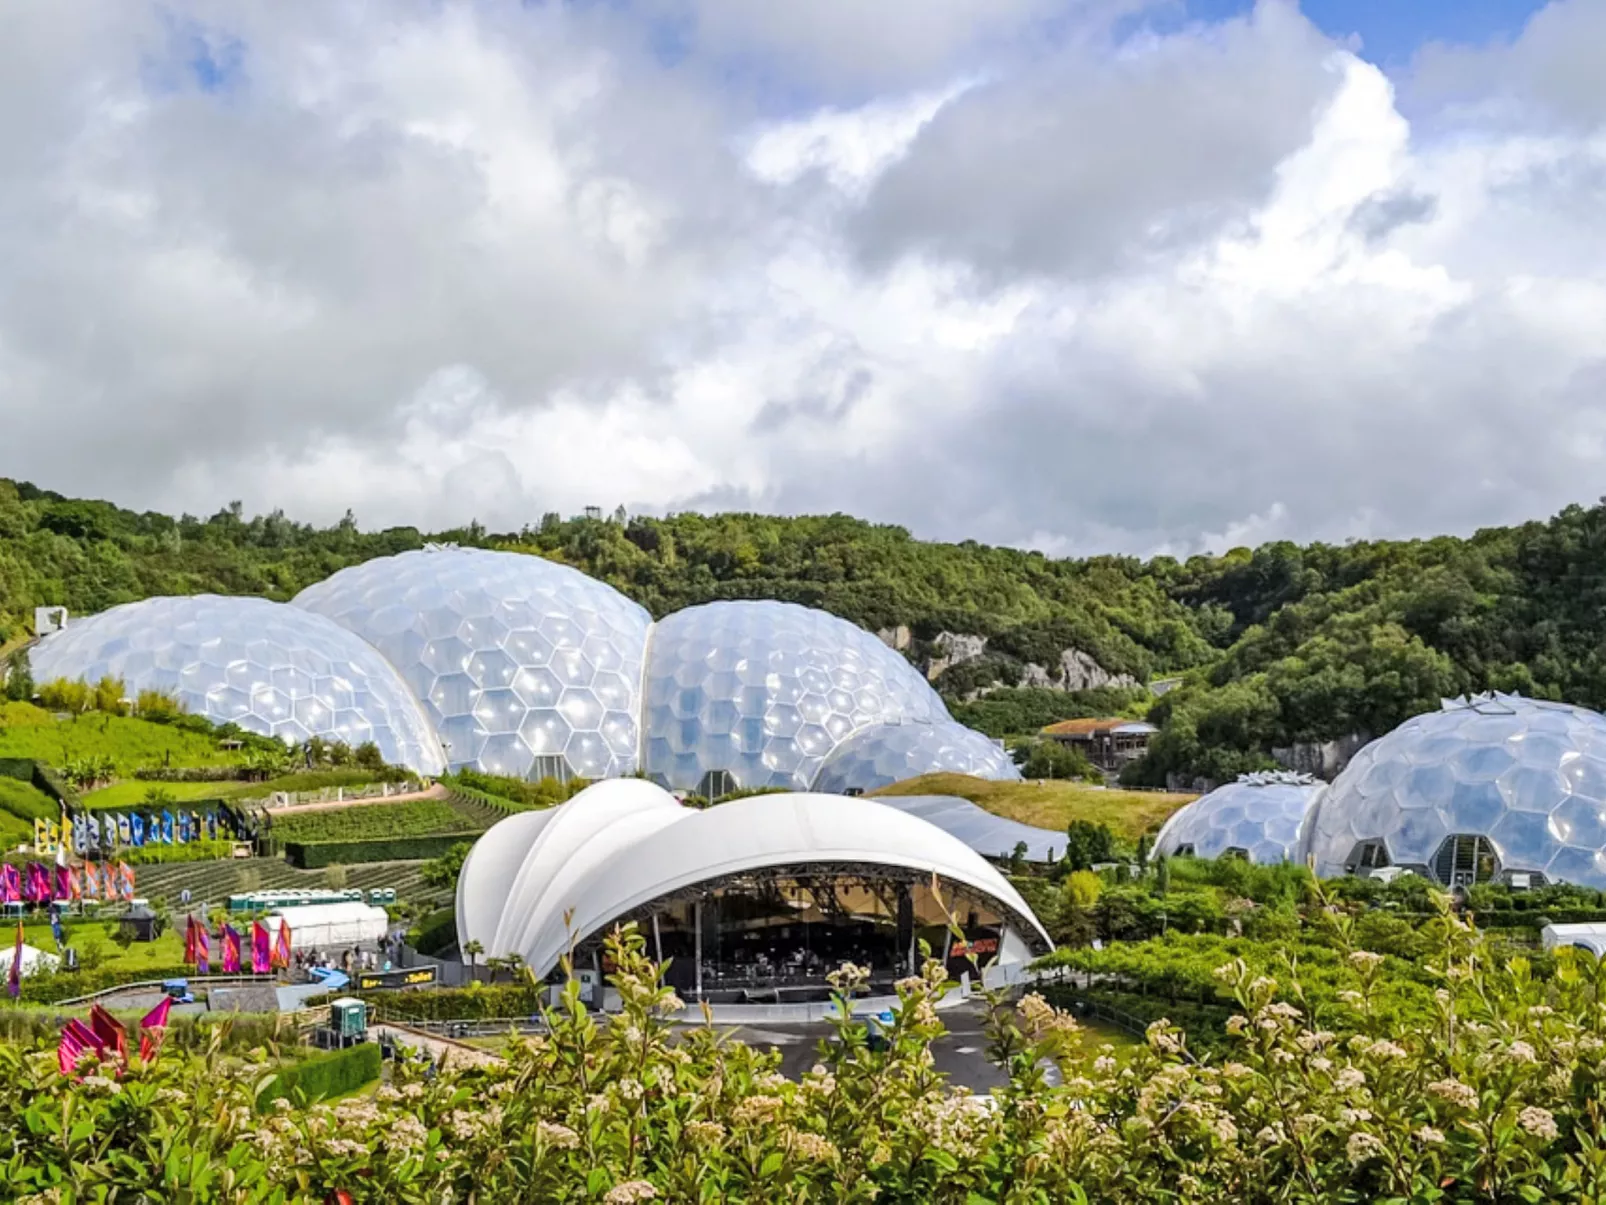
{"points": [[1006, 282]]}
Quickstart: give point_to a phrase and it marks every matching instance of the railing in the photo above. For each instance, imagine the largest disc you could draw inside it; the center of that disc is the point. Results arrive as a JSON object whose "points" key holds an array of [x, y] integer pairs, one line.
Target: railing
{"points": [[477, 1027], [206, 980]]}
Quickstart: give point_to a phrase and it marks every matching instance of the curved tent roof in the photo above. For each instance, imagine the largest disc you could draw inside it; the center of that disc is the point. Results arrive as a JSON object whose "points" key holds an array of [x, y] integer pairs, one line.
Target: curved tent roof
{"points": [[989, 835], [529, 888]]}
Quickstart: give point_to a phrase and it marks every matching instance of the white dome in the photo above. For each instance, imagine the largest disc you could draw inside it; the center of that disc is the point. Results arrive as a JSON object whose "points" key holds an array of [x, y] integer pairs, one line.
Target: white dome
{"points": [[887, 753], [1258, 816], [527, 667], [766, 691], [272, 669], [1528, 777], [537, 881]]}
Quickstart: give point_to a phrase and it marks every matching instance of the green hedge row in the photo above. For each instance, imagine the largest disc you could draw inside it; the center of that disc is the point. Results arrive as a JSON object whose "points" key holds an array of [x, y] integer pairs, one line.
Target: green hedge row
{"points": [[482, 1001], [323, 1075], [69, 985], [310, 855], [41, 777]]}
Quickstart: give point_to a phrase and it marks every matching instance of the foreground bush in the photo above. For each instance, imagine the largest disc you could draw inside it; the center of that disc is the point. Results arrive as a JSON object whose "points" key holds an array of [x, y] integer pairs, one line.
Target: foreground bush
{"points": [[1496, 1098]]}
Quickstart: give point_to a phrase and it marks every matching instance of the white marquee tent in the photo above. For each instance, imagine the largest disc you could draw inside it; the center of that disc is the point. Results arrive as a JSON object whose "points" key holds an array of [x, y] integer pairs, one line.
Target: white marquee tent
{"points": [[332, 926]]}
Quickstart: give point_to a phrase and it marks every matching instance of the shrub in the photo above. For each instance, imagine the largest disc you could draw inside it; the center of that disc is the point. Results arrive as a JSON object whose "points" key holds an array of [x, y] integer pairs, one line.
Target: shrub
{"points": [[312, 855], [191, 851], [435, 933], [376, 821], [322, 1076]]}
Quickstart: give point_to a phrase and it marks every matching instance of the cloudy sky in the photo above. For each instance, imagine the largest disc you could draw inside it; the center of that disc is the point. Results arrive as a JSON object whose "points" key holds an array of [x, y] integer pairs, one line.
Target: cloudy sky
{"points": [[1081, 275]]}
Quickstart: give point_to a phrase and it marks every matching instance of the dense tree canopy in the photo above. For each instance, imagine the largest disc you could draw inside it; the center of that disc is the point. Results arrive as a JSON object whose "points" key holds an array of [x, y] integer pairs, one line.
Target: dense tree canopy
{"points": [[1277, 644]]}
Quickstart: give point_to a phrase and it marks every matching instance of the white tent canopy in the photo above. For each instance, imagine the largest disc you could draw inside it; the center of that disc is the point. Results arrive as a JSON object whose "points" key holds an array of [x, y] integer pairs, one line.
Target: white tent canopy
{"points": [[34, 960], [1590, 935], [537, 880], [330, 926]]}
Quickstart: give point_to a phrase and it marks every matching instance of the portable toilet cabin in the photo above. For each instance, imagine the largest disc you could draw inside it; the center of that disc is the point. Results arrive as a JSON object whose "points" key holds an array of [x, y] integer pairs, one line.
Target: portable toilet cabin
{"points": [[348, 1019]]}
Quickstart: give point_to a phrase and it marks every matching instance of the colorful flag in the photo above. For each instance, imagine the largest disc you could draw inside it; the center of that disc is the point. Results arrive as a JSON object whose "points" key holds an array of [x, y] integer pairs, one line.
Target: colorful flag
{"points": [[41, 836], [91, 881], [281, 945], [77, 1040], [38, 889], [92, 828], [10, 884], [203, 951], [14, 980], [52, 836], [62, 889], [189, 940], [167, 828], [126, 873], [231, 950], [136, 827], [153, 1028], [125, 830], [114, 1038], [261, 949]]}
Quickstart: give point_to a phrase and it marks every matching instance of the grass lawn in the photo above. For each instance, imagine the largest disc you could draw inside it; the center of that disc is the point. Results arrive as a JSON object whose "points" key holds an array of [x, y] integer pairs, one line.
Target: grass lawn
{"points": [[132, 792], [1050, 804], [166, 951]]}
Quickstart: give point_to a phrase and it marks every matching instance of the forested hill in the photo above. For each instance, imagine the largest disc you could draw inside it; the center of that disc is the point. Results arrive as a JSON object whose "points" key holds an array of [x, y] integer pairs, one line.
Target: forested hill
{"points": [[1279, 644]]}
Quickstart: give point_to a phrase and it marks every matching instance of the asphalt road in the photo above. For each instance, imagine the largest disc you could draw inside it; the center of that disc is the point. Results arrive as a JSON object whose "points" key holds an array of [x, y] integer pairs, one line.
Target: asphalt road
{"points": [[961, 1053]]}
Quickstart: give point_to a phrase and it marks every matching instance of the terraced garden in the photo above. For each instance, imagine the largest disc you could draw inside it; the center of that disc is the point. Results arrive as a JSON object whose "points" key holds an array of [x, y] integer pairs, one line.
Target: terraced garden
{"points": [[214, 882], [386, 821]]}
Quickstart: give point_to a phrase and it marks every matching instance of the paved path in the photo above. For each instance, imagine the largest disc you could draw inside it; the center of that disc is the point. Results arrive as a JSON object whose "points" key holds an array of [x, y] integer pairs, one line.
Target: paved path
{"points": [[438, 1048], [328, 805]]}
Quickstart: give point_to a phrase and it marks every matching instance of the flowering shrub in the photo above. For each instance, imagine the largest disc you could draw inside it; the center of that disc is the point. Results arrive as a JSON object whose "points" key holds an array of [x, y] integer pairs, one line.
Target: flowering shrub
{"points": [[1496, 1098]]}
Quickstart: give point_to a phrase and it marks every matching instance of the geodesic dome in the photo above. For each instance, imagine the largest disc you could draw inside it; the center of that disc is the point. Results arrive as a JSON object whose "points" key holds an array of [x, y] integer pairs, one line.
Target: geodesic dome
{"points": [[888, 753], [759, 693], [268, 667], [527, 667], [1257, 817], [1485, 787]]}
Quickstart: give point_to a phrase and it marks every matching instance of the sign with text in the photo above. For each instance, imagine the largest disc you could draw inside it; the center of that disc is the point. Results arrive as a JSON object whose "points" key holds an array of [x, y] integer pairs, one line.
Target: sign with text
{"points": [[368, 981]]}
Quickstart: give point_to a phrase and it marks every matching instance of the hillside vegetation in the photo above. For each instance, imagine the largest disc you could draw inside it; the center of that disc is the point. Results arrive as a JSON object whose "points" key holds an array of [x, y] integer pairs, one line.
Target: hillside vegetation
{"points": [[1276, 645], [128, 744]]}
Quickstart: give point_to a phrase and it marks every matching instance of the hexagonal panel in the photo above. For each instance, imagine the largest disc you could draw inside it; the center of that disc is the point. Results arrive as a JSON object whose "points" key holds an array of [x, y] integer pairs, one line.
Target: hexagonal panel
{"points": [[1259, 815], [804, 675], [888, 753], [528, 635], [1527, 774], [271, 668]]}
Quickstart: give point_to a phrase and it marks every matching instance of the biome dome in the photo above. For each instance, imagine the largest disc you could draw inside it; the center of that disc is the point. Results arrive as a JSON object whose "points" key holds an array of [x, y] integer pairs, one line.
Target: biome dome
{"points": [[527, 668], [272, 669], [1258, 817], [1484, 788], [759, 694], [887, 753]]}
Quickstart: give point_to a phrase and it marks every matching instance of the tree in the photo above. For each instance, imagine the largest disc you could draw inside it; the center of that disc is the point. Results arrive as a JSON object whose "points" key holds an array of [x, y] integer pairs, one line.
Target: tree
{"points": [[443, 871], [1017, 857], [334, 876], [1088, 844], [19, 678], [1162, 875], [471, 951], [1051, 759]]}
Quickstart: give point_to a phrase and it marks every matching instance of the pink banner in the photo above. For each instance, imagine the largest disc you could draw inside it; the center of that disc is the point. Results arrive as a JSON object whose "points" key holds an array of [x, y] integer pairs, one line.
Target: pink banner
{"points": [[10, 884], [231, 951], [261, 949]]}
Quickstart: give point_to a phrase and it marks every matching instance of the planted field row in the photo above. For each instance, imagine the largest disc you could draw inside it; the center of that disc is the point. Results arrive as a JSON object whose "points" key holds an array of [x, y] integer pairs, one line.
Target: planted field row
{"points": [[214, 882], [384, 821]]}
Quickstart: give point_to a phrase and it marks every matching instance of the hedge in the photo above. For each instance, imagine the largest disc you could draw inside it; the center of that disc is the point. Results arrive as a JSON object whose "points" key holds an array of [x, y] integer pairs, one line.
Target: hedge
{"points": [[479, 1002], [435, 932], [323, 1075], [191, 774], [40, 776], [310, 855], [69, 985]]}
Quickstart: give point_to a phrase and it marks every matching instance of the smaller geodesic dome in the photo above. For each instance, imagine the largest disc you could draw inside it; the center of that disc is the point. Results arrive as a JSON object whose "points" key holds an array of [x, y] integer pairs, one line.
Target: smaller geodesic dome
{"points": [[1258, 818], [271, 668], [887, 753], [1487, 787]]}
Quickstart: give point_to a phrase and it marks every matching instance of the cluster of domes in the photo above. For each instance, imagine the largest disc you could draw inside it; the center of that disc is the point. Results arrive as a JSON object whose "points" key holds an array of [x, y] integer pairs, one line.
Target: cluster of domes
{"points": [[1494, 787], [512, 664]]}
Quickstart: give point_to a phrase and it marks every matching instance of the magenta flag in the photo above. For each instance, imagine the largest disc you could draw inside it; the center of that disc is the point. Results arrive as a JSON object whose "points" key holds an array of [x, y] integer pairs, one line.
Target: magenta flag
{"points": [[153, 1028], [231, 951], [203, 950], [63, 883], [14, 980], [38, 886], [77, 1040], [261, 949], [10, 884]]}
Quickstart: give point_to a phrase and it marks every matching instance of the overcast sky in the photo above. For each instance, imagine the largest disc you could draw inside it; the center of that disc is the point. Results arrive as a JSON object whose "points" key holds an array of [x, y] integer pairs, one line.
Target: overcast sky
{"points": [[1080, 275]]}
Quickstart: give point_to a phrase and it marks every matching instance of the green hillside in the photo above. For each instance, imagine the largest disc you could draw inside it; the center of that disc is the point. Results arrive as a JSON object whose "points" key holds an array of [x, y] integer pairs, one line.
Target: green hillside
{"points": [[130, 744], [1051, 804], [1277, 644]]}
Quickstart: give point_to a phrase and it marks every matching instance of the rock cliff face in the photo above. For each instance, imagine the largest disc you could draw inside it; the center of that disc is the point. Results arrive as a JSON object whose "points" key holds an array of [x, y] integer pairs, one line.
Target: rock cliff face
{"points": [[961, 664]]}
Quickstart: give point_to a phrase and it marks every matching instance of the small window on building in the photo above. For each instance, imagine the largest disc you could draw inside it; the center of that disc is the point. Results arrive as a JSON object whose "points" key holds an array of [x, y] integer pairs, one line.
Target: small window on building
{"points": [[1367, 855], [550, 765], [716, 783], [1465, 859]]}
